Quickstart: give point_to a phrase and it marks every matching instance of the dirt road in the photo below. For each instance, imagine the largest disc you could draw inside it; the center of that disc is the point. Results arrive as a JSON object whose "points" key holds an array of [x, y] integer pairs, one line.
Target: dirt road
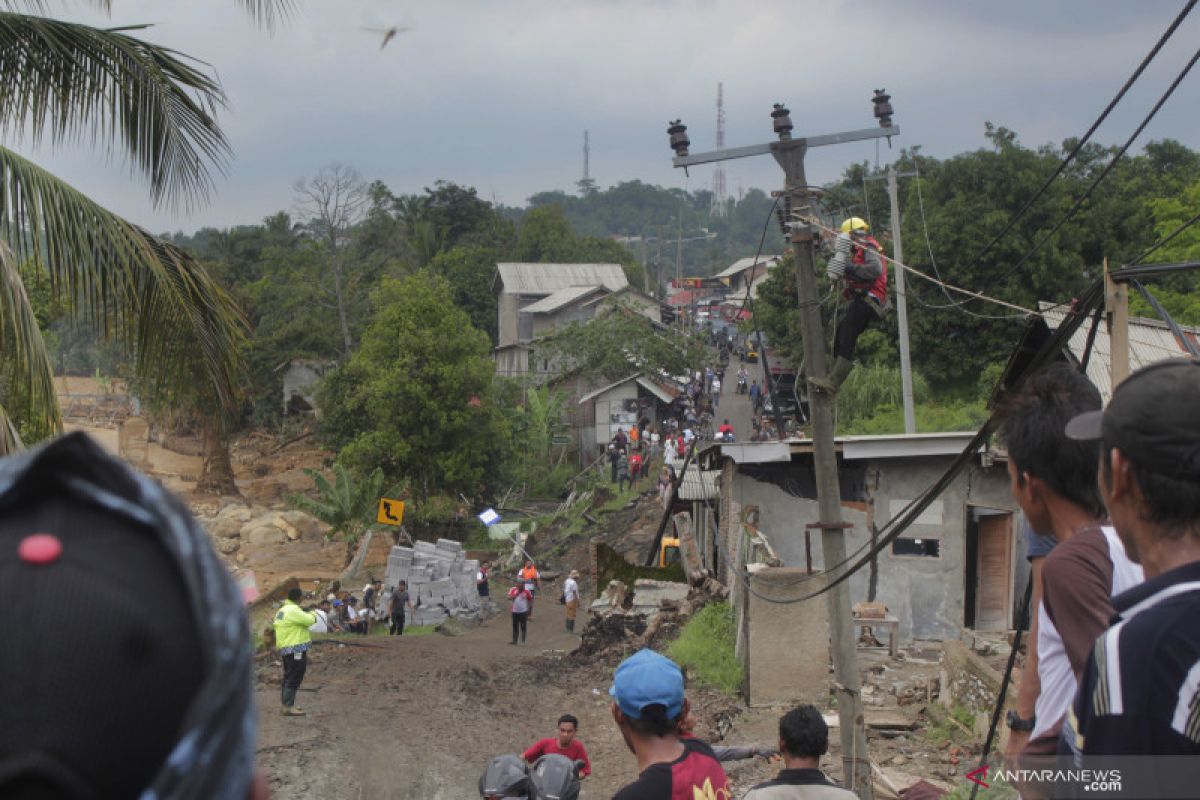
{"points": [[419, 717]]}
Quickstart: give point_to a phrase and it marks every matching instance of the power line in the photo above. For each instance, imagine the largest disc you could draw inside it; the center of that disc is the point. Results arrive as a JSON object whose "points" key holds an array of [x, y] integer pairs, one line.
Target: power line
{"points": [[1088, 135], [1108, 168], [1162, 242]]}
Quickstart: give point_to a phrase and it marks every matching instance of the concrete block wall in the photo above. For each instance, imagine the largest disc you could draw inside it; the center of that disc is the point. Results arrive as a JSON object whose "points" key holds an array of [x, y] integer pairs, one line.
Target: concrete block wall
{"points": [[441, 581]]}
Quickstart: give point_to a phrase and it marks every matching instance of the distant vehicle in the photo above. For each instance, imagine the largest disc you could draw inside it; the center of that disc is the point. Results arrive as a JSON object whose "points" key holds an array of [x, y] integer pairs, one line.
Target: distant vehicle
{"points": [[668, 552]]}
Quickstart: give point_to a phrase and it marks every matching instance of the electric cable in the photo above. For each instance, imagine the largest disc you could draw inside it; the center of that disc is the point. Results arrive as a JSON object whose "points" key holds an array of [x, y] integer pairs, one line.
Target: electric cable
{"points": [[1107, 169], [1167, 34], [1165, 240]]}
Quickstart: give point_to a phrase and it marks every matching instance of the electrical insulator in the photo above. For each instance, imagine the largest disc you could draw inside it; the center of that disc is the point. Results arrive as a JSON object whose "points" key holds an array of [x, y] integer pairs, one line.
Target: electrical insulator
{"points": [[679, 138], [883, 108], [782, 121]]}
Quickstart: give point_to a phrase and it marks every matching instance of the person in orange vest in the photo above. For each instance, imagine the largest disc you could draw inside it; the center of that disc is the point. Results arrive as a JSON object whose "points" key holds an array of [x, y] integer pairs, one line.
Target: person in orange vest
{"points": [[531, 581], [858, 263]]}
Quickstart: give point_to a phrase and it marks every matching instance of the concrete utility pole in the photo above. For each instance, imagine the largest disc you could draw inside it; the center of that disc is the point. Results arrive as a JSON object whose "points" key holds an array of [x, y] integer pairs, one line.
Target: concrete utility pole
{"points": [[906, 386], [789, 153]]}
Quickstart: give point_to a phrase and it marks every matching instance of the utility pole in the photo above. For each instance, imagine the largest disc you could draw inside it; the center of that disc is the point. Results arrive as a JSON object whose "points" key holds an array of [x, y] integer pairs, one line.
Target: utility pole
{"points": [[906, 385], [789, 153]]}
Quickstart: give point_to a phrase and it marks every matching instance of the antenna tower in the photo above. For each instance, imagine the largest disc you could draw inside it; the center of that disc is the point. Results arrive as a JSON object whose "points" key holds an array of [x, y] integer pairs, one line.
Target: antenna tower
{"points": [[586, 184], [717, 209]]}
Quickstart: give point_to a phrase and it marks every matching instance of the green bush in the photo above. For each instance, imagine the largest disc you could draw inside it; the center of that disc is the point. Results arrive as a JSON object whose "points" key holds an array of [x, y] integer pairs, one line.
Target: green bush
{"points": [[706, 647]]}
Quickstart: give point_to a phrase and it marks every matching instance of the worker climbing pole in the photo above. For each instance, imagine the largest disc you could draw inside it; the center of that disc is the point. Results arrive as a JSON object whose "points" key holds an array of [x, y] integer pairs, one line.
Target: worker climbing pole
{"points": [[857, 263], [789, 153]]}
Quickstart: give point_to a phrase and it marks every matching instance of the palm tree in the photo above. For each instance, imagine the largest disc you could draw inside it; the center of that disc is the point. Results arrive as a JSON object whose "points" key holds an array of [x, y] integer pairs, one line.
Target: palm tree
{"points": [[64, 83]]}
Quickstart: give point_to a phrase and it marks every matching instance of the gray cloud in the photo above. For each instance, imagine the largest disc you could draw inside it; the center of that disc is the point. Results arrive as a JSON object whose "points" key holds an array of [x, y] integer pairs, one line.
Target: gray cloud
{"points": [[497, 95]]}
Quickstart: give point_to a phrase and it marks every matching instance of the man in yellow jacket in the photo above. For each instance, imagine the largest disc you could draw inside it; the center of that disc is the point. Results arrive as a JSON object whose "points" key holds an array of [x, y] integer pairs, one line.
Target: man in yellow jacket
{"points": [[292, 640]]}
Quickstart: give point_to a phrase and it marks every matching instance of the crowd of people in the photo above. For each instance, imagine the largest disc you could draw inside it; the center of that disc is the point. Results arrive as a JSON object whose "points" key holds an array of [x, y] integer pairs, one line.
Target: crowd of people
{"points": [[84, 540]]}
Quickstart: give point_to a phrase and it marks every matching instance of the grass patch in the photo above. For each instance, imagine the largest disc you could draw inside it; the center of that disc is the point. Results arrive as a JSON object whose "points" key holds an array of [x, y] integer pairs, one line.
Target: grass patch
{"points": [[946, 731], [705, 647]]}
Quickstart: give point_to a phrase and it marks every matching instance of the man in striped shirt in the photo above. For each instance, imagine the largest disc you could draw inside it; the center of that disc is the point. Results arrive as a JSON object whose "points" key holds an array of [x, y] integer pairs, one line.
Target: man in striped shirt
{"points": [[1140, 691]]}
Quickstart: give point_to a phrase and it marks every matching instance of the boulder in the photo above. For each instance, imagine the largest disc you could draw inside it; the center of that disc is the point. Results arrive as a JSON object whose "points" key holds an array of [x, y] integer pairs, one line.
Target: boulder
{"points": [[288, 528], [311, 529], [263, 534], [239, 513], [227, 546], [224, 528]]}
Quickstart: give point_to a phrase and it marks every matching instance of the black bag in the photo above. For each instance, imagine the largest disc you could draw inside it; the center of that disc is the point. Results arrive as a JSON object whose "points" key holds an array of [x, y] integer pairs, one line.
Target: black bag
{"points": [[562, 599]]}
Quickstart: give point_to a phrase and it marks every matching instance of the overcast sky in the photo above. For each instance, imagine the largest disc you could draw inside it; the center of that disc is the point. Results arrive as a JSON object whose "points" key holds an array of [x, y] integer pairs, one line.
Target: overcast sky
{"points": [[496, 95]]}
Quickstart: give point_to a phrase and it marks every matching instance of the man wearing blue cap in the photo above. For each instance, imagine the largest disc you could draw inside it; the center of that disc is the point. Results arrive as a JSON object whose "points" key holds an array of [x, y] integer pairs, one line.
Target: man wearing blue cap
{"points": [[648, 707]]}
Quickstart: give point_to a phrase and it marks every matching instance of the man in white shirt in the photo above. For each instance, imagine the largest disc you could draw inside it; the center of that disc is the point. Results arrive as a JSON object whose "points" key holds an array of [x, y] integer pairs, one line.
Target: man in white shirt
{"points": [[571, 598]]}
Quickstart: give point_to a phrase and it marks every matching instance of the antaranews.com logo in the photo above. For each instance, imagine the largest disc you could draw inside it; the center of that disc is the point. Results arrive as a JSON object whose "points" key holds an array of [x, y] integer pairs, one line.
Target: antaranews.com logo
{"points": [[1087, 780]]}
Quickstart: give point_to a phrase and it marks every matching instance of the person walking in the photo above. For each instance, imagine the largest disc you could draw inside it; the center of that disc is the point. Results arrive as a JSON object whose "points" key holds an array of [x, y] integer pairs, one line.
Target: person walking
{"points": [[635, 469], [481, 579], [292, 641], [622, 471], [571, 598], [396, 605], [522, 602], [716, 392], [531, 579], [755, 395]]}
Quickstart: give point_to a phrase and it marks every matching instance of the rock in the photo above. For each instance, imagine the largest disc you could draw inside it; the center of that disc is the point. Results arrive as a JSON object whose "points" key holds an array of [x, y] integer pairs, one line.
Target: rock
{"points": [[899, 761], [311, 529], [263, 534], [288, 528], [236, 512], [224, 528], [227, 546]]}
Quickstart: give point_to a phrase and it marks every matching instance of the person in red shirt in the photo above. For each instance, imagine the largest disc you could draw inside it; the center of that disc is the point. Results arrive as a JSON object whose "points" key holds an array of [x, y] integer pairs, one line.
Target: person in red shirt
{"points": [[565, 744], [648, 706], [635, 469]]}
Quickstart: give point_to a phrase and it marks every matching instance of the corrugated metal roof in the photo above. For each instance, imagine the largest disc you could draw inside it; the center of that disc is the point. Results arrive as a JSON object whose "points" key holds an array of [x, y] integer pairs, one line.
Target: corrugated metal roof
{"points": [[743, 264], [700, 484], [524, 278], [1149, 341], [563, 297]]}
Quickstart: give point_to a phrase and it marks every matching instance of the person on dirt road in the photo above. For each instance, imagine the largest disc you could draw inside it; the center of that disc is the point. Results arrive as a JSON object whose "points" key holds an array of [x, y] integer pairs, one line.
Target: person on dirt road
{"points": [[370, 599], [398, 601], [522, 602], [481, 579], [803, 739], [107, 695], [532, 580], [292, 641], [565, 744], [571, 599], [648, 706]]}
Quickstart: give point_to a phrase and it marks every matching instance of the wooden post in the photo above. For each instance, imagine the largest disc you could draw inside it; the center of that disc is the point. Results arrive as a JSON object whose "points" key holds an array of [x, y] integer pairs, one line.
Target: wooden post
{"points": [[856, 760], [1116, 303]]}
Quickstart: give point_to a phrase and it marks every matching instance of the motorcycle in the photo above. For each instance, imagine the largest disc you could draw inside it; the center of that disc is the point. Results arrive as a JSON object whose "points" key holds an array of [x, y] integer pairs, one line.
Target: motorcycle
{"points": [[552, 777], [741, 385]]}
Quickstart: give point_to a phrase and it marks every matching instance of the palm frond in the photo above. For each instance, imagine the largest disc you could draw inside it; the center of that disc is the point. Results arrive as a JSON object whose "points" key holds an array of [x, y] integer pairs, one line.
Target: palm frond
{"points": [[125, 282], [40, 6], [268, 13], [72, 83], [10, 439], [26, 365]]}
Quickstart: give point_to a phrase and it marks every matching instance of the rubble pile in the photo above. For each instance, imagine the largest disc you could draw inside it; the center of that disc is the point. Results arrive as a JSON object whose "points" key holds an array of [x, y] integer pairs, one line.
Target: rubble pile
{"points": [[441, 581]]}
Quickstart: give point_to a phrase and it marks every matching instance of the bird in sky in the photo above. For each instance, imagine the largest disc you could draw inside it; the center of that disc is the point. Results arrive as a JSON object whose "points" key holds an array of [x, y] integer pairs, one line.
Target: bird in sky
{"points": [[387, 33]]}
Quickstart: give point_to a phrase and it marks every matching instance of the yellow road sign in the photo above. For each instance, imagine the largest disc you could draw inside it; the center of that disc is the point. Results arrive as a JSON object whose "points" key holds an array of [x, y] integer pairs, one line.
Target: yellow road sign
{"points": [[391, 512]]}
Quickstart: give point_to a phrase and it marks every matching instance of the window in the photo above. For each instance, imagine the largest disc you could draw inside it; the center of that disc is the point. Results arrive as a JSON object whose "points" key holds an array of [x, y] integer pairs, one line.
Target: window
{"points": [[917, 547]]}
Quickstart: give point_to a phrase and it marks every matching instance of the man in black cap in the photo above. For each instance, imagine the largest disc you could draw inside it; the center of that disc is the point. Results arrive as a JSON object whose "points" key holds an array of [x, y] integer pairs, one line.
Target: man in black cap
{"points": [[1140, 691], [103, 694]]}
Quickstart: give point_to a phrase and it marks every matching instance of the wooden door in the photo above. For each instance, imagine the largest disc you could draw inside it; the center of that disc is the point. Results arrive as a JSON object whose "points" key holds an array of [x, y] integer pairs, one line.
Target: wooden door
{"points": [[993, 592]]}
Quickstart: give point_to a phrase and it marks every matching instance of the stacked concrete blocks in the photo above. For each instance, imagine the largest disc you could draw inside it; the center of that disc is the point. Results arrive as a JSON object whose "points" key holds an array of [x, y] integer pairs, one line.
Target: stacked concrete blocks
{"points": [[441, 581]]}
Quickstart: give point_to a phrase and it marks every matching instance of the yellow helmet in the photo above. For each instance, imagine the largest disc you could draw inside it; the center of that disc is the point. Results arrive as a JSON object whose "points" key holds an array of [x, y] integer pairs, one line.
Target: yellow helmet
{"points": [[855, 225]]}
